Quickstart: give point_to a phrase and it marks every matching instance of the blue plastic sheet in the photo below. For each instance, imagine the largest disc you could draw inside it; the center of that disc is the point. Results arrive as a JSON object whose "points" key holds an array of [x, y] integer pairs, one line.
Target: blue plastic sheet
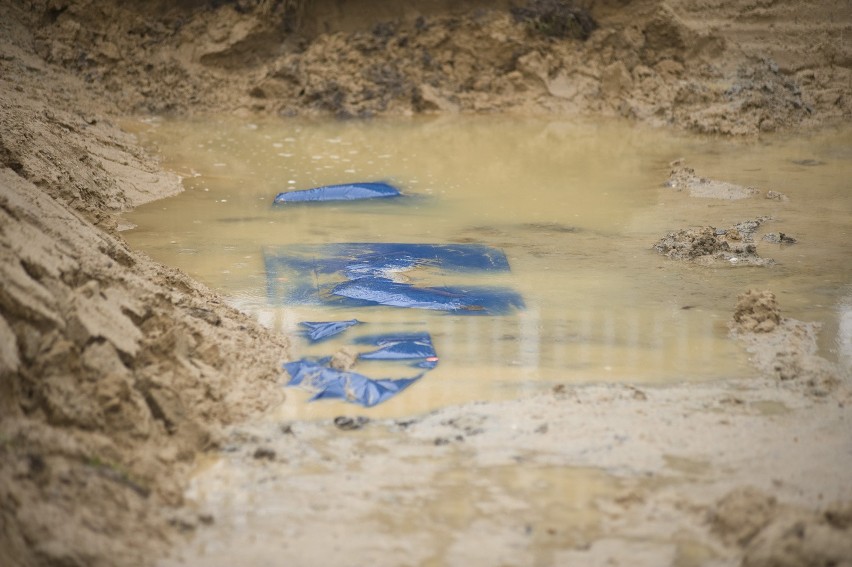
{"points": [[410, 347], [330, 383], [343, 192], [347, 386], [320, 330], [396, 275]]}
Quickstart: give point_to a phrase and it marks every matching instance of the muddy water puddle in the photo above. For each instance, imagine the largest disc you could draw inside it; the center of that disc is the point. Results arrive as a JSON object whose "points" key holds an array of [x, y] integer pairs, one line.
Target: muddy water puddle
{"points": [[575, 207]]}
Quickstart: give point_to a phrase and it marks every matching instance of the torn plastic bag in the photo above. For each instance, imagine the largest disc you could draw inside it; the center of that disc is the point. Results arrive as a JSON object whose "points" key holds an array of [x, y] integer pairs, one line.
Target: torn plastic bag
{"points": [[411, 346], [348, 386], [398, 275], [326, 382], [320, 330], [343, 192]]}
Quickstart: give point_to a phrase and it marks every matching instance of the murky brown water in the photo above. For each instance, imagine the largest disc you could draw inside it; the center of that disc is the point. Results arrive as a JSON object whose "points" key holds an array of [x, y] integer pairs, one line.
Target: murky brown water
{"points": [[575, 207]]}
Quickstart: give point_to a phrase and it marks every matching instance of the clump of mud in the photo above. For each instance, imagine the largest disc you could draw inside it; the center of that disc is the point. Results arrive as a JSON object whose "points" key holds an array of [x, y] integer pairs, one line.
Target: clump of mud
{"points": [[782, 347], [683, 178], [757, 312], [776, 196], [713, 246], [780, 238], [556, 18], [776, 535]]}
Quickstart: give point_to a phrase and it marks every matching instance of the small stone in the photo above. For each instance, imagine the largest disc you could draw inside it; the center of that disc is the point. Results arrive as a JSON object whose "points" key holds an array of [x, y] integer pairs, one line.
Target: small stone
{"points": [[639, 394], [206, 315], [264, 453], [779, 238], [350, 423]]}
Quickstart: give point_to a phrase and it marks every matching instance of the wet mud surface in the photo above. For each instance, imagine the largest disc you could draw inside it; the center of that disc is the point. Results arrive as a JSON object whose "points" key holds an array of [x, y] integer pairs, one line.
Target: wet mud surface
{"points": [[710, 245], [119, 375], [582, 474]]}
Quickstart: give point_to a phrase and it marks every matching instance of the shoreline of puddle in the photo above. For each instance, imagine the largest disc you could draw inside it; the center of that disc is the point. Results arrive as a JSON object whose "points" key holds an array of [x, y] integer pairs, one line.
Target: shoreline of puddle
{"points": [[600, 303], [579, 341]]}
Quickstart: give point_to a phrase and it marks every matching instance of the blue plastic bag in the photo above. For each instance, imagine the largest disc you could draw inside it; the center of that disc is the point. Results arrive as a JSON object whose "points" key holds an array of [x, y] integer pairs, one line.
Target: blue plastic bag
{"points": [[319, 330], [330, 383], [343, 192], [410, 347]]}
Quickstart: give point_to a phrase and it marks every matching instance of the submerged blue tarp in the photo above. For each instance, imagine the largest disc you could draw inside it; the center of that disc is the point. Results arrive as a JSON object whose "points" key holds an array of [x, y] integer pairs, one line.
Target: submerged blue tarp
{"points": [[343, 192], [330, 383], [398, 275], [319, 330], [408, 346], [348, 386]]}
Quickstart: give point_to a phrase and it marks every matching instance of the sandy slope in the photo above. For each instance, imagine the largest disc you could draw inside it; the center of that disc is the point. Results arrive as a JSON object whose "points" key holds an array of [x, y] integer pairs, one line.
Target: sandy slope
{"points": [[115, 371]]}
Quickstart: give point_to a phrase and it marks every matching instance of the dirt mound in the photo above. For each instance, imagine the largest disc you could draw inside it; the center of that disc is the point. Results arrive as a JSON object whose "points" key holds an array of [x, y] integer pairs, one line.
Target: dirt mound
{"points": [[646, 60], [713, 246], [114, 371], [783, 347]]}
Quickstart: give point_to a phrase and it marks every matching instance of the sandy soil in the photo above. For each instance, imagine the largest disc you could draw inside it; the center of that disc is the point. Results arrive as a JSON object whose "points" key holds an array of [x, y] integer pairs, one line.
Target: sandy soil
{"points": [[728, 67], [117, 372]]}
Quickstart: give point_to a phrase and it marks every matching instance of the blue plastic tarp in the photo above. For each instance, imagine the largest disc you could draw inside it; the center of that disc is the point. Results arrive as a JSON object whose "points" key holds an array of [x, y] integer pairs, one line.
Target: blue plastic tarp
{"points": [[396, 275], [415, 347], [319, 330], [330, 383], [343, 192]]}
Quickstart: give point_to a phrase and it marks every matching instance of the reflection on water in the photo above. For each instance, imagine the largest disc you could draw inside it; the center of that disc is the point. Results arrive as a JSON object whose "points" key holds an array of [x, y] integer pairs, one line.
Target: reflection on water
{"points": [[575, 208]]}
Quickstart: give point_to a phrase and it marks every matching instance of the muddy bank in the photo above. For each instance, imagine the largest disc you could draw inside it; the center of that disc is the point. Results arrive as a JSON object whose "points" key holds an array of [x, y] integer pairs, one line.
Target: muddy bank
{"points": [[590, 475], [689, 64], [116, 372]]}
